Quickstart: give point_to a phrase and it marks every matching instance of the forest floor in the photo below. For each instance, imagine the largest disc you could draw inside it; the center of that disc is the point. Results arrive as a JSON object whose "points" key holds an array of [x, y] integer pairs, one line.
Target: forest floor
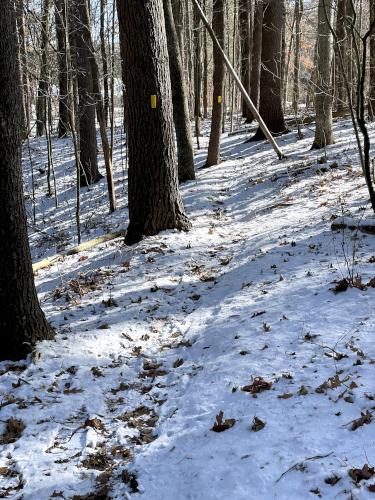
{"points": [[237, 316]]}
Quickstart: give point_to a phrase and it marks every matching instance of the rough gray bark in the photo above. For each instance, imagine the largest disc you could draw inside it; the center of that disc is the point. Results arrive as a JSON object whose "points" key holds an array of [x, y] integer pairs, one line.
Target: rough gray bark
{"points": [[323, 93], [213, 154], [103, 6], [154, 200], [22, 322], [270, 101], [185, 153]]}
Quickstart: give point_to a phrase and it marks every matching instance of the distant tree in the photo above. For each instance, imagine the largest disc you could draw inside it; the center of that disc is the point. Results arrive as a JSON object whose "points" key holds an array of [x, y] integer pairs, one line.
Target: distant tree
{"points": [[41, 102], [154, 199], [256, 58], [86, 98], [213, 154], [245, 32], [323, 93], [342, 44], [60, 22], [270, 101], [22, 322]]}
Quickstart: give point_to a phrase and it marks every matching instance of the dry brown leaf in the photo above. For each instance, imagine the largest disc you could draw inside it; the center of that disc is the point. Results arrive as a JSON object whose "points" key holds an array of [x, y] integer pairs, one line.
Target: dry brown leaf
{"points": [[221, 425]]}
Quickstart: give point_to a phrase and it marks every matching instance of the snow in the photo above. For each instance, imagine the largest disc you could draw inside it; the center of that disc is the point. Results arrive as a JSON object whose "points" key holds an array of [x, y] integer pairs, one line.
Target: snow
{"points": [[153, 341]]}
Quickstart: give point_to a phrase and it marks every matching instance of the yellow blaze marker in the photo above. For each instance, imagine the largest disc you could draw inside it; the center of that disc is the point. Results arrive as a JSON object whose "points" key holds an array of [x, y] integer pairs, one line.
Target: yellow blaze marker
{"points": [[219, 99], [153, 101]]}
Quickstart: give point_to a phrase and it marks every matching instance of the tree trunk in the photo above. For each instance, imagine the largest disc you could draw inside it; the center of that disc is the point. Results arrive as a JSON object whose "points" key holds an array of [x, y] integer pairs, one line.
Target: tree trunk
{"points": [[86, 106], [205, 68], [103, 6], [63, 124], [270, 101], [181, 118], [154, 199], [41, 103], [213, 155], [298, 10], [197, 74], [372, 62], [245, 44], [323, 93], [342, 46], [256, 58], [22, 322]]}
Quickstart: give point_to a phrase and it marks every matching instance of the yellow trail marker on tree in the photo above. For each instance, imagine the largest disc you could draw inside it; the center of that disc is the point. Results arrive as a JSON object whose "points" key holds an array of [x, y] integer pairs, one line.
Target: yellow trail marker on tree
{"points": [[219, 99], [153, 101]]}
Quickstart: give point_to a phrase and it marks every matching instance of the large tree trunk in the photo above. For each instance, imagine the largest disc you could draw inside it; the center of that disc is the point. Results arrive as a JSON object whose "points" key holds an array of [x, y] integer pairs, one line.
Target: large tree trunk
{"points": [[181, 118], [256, 58], [372, 62], [63, 124], [41, 103], [244, 17], [22, 322], [154, 199], [323, 93], [213, 155], [270, 102], [342, 46], [86, 100]]}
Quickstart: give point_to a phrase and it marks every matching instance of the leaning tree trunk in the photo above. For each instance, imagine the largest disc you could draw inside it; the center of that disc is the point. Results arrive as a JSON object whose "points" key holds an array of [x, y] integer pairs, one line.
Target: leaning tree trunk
{"points": [[244, 15], [213, 154], [270, 101], [256, 58], [63, 124], [323, 93], [154, 199], [86, 99], [181, 118], [372, 62], [22, 322]]}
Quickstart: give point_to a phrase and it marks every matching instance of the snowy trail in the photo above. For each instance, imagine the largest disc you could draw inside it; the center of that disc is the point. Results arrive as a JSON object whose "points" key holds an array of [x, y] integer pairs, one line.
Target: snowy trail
{"points": [[155, 340]]}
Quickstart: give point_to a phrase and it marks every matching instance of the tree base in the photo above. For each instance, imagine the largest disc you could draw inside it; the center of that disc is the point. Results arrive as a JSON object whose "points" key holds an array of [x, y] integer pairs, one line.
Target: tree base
{"points": [[85, 181], [136, 232], [259, 135]]}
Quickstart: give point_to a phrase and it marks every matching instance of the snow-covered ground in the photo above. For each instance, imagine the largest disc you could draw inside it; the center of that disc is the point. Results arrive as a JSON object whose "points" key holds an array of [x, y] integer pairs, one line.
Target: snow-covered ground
{"points": [[237, 316]]}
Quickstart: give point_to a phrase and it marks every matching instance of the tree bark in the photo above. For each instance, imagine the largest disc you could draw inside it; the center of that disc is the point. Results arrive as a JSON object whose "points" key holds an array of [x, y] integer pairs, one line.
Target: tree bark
{"points": [[270, 101], [22, 322], [323, 93], [197, 73], [185, 153], [154, 200], [213, 155], [63, 124], [86, 99]]}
